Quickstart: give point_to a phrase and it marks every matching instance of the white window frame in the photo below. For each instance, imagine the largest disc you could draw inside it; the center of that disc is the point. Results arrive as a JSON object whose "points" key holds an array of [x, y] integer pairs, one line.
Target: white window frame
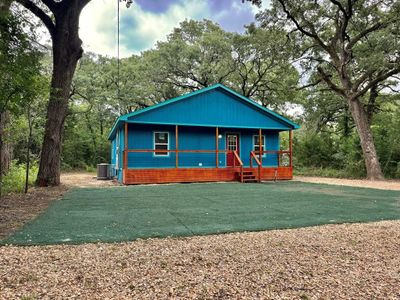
{"points": [[154, 144], [263, 146], [117, 150]]}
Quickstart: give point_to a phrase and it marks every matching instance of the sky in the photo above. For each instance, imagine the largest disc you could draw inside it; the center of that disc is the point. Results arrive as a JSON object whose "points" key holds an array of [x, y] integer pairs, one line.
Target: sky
{"points": [[149, 21]]}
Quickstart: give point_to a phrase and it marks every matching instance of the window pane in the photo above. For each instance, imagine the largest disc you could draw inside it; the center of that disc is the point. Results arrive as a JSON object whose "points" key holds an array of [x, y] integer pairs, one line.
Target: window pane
{"points": [[161, 137], [256, 139], [161, 147], [232, 142]]}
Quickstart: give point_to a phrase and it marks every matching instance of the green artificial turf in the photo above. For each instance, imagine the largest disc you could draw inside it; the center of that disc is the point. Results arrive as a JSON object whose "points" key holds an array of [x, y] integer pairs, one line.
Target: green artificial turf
{"points": [[127, 213]]}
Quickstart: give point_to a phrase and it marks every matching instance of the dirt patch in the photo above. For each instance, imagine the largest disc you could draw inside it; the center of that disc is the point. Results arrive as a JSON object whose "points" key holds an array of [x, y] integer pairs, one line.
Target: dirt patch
{"points": [[17, 209], [78, 179], [357, 261], [382, 185]]}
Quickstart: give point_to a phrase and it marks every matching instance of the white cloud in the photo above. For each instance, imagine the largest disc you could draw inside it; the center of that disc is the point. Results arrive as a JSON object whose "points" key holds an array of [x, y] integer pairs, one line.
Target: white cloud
{"points": [[139, 29], [98, 24], [264, 5]]}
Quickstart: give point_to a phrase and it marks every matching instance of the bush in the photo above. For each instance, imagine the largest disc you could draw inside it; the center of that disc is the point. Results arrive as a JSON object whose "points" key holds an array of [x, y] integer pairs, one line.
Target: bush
{"points": [[14, 181], [325, 172]]}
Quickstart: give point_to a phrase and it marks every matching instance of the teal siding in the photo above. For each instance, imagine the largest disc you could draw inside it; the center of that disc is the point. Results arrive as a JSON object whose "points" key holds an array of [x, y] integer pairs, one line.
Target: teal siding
{"points": [[121, 135], [215, 107], [194, 138]]}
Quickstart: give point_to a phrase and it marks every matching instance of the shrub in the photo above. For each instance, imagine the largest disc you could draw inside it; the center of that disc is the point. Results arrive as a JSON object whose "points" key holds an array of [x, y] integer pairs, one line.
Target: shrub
{"points": [[14, 181]]}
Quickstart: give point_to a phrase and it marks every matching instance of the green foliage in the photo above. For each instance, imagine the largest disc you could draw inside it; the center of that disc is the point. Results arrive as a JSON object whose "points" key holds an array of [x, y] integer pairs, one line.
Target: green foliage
{"points": [[323, 172], [335, 152], [19, 64], [14, 181]]}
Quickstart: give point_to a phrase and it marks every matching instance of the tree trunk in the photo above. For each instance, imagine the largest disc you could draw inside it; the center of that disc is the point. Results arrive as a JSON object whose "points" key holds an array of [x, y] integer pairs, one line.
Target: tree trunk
{"points": [[360, 117], [5, 145], [67, 51], [28, 148]]}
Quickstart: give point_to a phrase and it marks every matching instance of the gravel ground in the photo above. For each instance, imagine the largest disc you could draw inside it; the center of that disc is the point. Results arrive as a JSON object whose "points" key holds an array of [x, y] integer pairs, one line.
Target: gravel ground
{"points": [[350, 261], [84, 179], [382, 185]]}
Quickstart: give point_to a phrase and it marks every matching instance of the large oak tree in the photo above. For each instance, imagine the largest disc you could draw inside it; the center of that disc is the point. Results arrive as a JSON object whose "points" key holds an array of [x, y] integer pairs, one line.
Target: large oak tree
{"points": [[61, 19], [353, 45]]}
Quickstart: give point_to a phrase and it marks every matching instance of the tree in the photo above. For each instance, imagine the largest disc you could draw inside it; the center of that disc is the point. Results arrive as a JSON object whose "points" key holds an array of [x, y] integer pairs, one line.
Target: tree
{"points": [[353, 45], [196, 55], [262, 69], [19, 65], [61, 19]]}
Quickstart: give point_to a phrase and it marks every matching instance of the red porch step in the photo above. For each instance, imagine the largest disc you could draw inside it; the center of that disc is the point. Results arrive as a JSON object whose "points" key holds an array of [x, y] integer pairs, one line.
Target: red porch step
{"points": [[248, 176]]}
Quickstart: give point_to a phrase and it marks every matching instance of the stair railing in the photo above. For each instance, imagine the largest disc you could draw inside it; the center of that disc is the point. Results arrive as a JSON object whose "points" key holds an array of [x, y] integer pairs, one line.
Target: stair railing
{"points": [[254, 156], [240, 163]]}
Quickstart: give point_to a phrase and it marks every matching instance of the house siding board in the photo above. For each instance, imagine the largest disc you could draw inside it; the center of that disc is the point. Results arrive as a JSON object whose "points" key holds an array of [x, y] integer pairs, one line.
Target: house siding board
{"points": [[113, 156], [120, 152], [141, 137], [215, 107]]}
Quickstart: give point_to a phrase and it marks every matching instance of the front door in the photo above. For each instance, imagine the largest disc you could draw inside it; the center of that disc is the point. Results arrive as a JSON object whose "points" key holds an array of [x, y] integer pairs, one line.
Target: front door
{"points": [[232, 143]]}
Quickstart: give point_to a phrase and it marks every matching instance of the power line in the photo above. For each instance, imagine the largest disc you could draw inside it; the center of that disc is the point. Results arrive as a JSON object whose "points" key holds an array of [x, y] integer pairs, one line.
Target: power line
{"points": [[118, 59]]}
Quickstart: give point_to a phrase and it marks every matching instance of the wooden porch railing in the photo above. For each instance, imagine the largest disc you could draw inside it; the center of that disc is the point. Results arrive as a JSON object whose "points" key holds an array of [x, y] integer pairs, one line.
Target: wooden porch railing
{"points": [[259, 165], [176, 151], [279, 153], [237, 158]]}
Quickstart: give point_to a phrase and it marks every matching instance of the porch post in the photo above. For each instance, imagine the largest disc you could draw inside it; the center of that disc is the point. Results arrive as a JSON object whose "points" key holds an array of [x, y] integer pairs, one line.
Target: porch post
{"points": [[176, 147], [259, 146], [291, 147], [216, 147], [125, 165]]}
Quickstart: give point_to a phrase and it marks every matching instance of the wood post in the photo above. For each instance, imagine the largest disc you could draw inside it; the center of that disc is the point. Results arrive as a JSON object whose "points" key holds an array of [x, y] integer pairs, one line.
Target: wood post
{"points": [[125, 164], [260, 153], [216, 147], [176, 147], [260, 143], [291, 147]]}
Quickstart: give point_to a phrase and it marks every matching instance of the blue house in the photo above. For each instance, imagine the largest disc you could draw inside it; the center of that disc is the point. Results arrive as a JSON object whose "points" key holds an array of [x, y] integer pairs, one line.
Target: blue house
{"points": [[213, 134]]}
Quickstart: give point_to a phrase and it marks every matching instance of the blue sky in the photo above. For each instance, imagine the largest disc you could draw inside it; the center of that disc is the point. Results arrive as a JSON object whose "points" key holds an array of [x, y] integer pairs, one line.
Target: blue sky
{"points": [[149, 21]]}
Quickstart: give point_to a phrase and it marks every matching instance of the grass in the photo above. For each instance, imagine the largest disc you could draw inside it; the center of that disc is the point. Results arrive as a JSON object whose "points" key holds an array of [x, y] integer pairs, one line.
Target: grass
{"points": [[128, 213], [14, 181], [326, 172]]}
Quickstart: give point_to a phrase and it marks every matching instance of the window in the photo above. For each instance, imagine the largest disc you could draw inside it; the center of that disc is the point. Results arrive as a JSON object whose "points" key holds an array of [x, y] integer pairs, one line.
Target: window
{"points": [[232, 142], [256, 144], [161, 142], [117, 151]]}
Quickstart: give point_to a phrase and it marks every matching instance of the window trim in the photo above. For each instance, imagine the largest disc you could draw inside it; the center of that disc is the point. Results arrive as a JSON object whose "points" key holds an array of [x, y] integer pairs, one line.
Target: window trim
{"points": [[264, 144], [117, 147], [154, 144]]}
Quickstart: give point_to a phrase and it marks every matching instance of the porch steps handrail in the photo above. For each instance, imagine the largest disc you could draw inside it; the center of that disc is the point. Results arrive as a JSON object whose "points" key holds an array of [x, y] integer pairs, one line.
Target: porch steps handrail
{"points": [[237, 158], [253, 156]]}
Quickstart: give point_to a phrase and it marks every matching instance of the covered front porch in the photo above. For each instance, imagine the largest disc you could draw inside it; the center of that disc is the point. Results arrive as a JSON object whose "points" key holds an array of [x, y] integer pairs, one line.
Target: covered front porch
{"points": [[184, 153]]}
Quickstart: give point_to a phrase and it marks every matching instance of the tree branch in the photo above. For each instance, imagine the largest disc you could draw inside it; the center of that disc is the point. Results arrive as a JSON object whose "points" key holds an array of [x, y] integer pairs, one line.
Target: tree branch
{"points": [[50, 4], [327, 78], [375, 81], [37, 11], [312, 84], [296, 23], [364, 33]]}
